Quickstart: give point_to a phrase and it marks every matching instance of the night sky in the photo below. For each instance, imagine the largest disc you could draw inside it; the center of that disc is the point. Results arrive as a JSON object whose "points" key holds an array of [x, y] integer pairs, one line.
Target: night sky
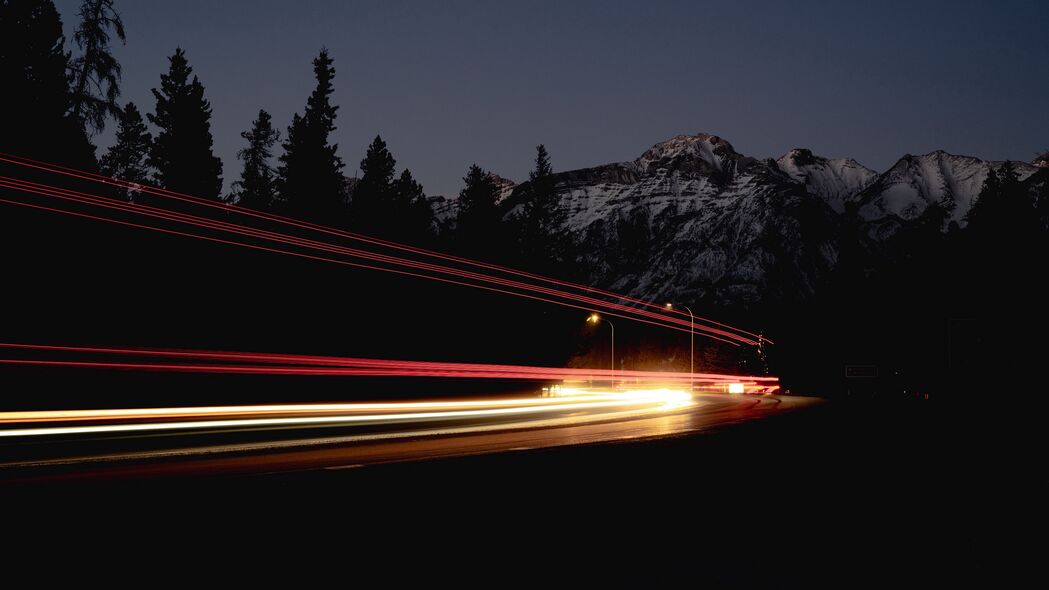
{"points": [[452, 83]]}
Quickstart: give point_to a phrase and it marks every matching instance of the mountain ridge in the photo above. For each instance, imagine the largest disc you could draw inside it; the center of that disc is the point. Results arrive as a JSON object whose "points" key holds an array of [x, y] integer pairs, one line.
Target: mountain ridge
{"points": [[692, 219]]}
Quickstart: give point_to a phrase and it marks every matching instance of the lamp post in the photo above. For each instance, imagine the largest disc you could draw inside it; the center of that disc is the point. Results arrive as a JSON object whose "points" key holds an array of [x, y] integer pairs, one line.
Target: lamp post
{"points": [[595, 319], [692, 346]]}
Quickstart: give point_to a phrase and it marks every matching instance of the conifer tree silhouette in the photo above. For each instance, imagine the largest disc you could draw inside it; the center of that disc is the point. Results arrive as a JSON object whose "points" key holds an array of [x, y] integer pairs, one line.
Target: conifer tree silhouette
{"points": [[257, 187], [182, 152], [310, 171], [95, 72], [126, 159], [37, 119]]}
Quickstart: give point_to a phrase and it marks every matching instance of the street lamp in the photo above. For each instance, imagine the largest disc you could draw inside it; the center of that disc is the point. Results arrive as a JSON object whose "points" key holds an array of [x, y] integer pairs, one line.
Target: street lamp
{"points": [[692, 346], [595, 319]]}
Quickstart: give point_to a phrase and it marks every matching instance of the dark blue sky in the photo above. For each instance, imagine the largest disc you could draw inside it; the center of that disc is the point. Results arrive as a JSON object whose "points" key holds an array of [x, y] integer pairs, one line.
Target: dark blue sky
{"points": [[455, 82]]}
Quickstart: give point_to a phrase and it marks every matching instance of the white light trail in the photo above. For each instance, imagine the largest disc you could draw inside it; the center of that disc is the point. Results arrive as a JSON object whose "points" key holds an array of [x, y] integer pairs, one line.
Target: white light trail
{"points": [[347, 414]]}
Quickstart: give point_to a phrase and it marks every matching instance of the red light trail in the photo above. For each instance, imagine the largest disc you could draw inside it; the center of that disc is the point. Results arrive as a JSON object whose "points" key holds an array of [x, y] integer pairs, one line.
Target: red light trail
{"points": [[332, 260], [251, 363], [662, 319], [164, 214], [571, 400]]}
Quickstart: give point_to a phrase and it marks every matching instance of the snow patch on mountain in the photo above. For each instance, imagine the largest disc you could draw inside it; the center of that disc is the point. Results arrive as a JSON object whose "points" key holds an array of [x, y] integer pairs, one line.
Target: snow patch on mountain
{"points": [[914, 183], [1041, 161], [504, 187], [835, 181], [703, 154], [691, 219], [717, 225]]}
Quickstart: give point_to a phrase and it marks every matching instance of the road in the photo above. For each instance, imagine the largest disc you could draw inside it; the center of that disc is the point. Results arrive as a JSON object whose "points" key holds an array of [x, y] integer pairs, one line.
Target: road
{"points": [[250, 440]]}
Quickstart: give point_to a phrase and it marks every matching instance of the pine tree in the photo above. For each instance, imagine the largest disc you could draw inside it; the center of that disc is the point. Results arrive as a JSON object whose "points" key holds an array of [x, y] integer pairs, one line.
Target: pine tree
{"points": [[1040, 186], [126, 159], [257, 187], [373, 204], [1008, 177], [542, 212], [182, 153], [543, 170], [984, 200], [478, 226], [414, 217], [310, 172], [1004, 210], [408, 190], [96, 73], [36, 119], [545, 245], [1019, 204]]}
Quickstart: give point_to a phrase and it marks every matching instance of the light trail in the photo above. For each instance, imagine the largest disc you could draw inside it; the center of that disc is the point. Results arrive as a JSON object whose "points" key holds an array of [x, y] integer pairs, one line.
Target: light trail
{"points": [[179, 217], [267, 450], [653, 392], [199, 411], [651, 401], [553, 374], [342, 262], [54, 168], [227, 207], [297, 364]]}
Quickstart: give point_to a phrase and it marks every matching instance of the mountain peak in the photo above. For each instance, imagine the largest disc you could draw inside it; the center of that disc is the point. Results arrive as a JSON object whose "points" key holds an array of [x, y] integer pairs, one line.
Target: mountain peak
{"points": [[702, 153], [705, 213], [835, 181], [800, 157], [1042, 161], [905, 191]]}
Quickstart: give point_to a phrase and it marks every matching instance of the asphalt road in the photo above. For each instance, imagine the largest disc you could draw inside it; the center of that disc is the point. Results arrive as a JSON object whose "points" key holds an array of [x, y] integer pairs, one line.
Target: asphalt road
{"points": [[238, 442]]}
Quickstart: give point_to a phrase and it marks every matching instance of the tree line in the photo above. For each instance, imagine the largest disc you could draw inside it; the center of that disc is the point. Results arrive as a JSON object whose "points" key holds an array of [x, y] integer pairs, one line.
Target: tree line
{"points": [[63, 98]]}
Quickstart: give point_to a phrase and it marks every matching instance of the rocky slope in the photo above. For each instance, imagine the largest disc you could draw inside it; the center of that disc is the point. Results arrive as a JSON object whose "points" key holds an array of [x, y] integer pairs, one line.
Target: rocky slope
{"points": [[692, 219], [835, 181], [905, 191], [1042, 161]]}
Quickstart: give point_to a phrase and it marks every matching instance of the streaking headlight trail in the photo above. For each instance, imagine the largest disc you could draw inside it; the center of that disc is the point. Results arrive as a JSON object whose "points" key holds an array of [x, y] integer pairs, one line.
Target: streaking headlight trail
{"points": [[581, 405]]}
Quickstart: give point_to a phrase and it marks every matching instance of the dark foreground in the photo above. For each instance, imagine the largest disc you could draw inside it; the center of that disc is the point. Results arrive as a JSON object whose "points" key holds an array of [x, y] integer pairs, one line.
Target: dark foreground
{"points": [[848, 494]]}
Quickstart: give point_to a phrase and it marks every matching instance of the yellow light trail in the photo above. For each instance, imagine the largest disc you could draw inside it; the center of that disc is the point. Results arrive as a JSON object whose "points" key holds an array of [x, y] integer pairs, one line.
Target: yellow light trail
{"points": [[107, 414], [350, 413]]}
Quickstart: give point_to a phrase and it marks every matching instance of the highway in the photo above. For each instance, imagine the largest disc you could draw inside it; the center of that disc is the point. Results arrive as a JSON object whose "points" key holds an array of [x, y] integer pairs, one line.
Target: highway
{"points": [[250, 440]]}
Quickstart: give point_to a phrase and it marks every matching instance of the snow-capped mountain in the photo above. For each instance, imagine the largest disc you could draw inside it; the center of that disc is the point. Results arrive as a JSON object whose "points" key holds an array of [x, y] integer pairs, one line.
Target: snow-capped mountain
{"points": [[906, 190], [693, 219], [836, 181], [1041, 161], [712, 223]]}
